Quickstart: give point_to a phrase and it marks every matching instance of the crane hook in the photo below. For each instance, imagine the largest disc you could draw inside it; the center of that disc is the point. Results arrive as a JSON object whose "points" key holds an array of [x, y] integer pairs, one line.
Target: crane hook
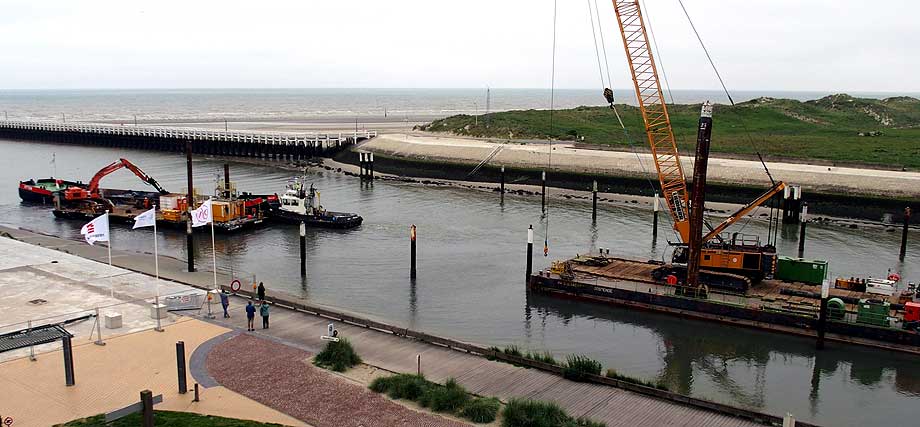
{"points": [[608, 94]]}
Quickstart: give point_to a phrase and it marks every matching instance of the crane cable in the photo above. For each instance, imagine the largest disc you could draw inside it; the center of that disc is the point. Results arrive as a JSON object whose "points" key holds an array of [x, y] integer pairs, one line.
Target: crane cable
{"points": [[626, 135], [725, 89], [552, 105]]}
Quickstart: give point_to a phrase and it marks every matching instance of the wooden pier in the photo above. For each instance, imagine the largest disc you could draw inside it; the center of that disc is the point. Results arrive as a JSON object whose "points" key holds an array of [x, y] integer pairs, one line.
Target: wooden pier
{"points": [[272, 145]]}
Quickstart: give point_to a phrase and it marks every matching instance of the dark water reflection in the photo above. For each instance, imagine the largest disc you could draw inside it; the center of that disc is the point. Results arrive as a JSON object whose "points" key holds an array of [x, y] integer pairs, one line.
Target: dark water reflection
{"points": [[471, 275]]}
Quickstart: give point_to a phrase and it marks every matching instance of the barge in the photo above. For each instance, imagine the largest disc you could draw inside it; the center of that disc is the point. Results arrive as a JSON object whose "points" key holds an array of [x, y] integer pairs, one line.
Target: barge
{"points": [[772, 305], [44, 190]]}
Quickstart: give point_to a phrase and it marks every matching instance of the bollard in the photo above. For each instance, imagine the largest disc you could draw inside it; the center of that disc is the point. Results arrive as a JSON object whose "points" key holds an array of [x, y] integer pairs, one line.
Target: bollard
{"points": [[68, 362], [502, 188], [543, 192], [180, 366], [594, 202], [804, 219], [147, 408], [196, 399], [904, 233], [529, 253], [189, 238], [656, 207], [303, 249], [412, 235], [418, 364], [822, 314], [98, 329]]}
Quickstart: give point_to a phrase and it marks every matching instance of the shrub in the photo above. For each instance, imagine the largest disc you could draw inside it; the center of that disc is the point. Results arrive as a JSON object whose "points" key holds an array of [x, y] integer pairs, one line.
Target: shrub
{"points": [[337, 356], [584, 422], [407, 386], [531, 413], [448, 398], [513, 350], [578, 367], [545, 357], [381, 384], [481, 410]]}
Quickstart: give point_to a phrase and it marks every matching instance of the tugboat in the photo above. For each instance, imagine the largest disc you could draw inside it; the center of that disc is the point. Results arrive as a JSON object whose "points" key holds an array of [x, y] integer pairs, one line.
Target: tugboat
{"points": [[43, 190], [299, 204]]}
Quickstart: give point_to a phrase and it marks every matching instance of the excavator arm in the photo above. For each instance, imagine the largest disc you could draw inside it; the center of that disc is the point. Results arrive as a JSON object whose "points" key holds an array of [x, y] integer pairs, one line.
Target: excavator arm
{"points": [[93, 187], [746, 209]]}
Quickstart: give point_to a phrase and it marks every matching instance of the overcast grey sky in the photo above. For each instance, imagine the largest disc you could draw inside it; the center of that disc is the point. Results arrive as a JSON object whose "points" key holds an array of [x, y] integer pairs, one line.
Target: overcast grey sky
{"points": [[823, 45]]}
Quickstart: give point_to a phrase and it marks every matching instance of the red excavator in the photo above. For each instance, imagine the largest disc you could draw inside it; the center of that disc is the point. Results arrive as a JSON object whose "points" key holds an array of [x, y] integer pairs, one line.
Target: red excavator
{"points": [[92, 190]]}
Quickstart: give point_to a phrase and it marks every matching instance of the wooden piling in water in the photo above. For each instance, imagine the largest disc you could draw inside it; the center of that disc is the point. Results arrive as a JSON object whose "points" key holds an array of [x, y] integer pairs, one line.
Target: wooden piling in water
{"points": [[655, 208], [803, 221], [543, 192], [502, 185], [303, 249], [594, 202], [903, 252], [412, 236], [529, 253]]}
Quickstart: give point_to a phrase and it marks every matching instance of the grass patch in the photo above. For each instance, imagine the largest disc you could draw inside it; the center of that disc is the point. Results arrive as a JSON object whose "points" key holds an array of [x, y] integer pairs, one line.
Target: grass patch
{"points": [[449, 398], [837, 128], [531, 413], [168, 419], [578, 367], [481, 410], [611, 373], [338, 356], [513, 350], [545, 357]]}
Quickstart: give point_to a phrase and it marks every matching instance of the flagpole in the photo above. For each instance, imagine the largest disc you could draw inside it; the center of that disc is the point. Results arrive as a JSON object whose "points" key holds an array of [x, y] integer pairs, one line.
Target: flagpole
{"points": [[156, 268], [108, 231], [213, 247]]}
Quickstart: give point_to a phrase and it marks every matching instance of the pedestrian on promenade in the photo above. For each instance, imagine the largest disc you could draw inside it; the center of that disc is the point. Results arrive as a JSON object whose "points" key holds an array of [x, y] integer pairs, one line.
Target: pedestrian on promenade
{"points": [[250, 315], [225, 302], [261, 292], [263, 310]]}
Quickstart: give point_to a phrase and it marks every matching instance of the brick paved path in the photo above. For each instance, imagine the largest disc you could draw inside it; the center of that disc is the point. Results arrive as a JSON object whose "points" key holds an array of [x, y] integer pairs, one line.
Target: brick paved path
{"points": [[282, 378]]}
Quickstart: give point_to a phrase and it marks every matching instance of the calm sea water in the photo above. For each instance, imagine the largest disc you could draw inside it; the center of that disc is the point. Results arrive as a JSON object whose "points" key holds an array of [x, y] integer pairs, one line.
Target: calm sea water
{"points": [[287, 104], [471, 280]]}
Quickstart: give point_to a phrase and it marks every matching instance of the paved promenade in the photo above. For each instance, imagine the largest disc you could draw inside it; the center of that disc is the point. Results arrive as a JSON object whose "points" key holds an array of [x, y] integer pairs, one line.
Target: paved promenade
{"points": [[616, 407]]}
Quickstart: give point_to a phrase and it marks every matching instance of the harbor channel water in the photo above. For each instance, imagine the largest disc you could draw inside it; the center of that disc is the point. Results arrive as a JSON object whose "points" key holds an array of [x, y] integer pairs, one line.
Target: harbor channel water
{"points": [[470, 284]]}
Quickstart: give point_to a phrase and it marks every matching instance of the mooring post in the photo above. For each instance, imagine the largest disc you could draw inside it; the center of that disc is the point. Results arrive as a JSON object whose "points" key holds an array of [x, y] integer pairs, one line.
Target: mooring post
{"points": [[803, 220], [412, 235], [226, 180], [529, 253], [822, 314], [371, 160], [147, 408], [904, 233], [502, 185], [190, 201], [594, 202], [543, 192], [655, 207], [361, 166], [180, 366], [68, 362], [303, 249]]}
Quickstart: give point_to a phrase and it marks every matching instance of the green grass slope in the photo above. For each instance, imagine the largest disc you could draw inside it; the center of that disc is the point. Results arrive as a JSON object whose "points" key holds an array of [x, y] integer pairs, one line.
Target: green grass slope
{"points": [[837, 128]]}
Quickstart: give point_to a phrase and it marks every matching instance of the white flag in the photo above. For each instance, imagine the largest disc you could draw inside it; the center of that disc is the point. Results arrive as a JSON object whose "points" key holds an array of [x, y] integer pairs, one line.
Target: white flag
{"points": [[146, 219], [97, 230], [202, 215]]}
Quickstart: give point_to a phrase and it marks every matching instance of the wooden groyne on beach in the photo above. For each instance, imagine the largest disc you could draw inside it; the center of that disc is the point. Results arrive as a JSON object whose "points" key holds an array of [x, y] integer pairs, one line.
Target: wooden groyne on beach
{"points": [[272, 145]]}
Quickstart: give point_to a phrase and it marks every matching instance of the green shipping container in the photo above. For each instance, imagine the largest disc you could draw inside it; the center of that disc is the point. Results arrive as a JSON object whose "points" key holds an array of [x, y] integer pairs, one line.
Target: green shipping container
{"points": [[801, 270], [873, 313]]}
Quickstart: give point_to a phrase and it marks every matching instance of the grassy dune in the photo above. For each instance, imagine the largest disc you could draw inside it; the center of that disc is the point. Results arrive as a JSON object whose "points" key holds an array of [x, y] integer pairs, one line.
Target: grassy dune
{"points": [[837, 128]]}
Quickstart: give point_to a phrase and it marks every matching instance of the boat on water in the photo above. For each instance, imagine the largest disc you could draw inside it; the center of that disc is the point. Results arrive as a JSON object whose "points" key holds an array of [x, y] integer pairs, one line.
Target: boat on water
{"points": [[301, 204], [44, 190]]}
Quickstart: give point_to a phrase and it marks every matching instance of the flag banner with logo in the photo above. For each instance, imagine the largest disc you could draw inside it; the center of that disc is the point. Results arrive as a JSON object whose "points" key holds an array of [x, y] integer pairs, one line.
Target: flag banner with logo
{"points": [[202, 215], [97, 230], [146, 219]]}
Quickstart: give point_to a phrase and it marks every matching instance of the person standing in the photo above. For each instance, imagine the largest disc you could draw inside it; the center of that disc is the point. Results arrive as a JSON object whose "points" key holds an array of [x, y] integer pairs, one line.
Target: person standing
{"points": [[261, 292], [250, 315], [263, 310], [225, 302]]}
